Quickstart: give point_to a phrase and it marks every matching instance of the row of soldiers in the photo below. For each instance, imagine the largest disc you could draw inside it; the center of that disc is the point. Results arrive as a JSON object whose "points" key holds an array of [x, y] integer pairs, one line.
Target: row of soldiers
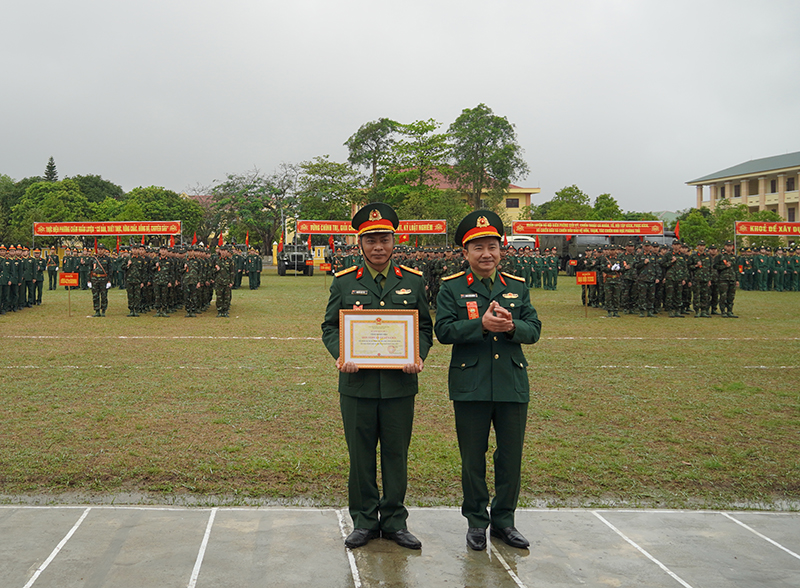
{"points": [[652, 276], [763, 269], [247, 264], [437, 263], [166, 280], [21, 278]]}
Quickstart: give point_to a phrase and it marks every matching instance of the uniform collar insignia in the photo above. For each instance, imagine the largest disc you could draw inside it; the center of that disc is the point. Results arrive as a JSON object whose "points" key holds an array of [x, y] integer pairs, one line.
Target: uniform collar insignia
{"points": [[397, 272], [470, 279], [360, 272]]}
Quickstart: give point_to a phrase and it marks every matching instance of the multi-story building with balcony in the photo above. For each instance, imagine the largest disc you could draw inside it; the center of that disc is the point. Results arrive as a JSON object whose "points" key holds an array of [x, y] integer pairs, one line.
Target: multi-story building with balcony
{"points": [[770, 183]]}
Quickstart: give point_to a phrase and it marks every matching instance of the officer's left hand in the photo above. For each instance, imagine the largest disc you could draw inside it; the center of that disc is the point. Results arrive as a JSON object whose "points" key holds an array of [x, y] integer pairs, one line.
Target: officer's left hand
{"points": [[347, 367]]}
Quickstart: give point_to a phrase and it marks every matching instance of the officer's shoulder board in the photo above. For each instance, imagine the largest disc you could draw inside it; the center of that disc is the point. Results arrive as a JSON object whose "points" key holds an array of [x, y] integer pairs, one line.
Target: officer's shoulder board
{"points": [[453, 276], [411, 269], [352, 268], [513, 277]]}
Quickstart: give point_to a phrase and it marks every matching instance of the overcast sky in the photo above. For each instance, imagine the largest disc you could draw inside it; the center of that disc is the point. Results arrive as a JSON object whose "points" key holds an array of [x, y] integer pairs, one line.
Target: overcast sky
{"points": [[628, 97]]}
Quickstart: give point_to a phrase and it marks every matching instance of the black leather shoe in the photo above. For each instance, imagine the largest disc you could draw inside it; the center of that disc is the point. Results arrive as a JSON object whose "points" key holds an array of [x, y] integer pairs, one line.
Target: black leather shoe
{"points": [[510, 536], [404, 539], [476, 538], [360, 537]]}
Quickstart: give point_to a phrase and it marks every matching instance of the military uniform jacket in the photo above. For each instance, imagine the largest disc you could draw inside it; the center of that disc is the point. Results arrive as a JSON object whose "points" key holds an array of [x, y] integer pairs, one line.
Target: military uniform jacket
{"points": [[486, 366], [355, 287]]}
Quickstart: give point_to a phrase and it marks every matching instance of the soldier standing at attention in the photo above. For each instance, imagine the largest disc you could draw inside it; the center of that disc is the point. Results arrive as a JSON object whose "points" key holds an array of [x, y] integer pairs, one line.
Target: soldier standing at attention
{"points": [[725, 264], [38, 276], [52, 269], [700, 267], [162, 282], [100, 280], [224, 270], [487, 316], [377, 404]]}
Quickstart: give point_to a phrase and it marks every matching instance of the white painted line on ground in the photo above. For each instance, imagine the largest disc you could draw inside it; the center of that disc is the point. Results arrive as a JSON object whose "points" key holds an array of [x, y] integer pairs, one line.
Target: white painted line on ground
{"points": [[764, 537], [201, 554], [429, 366], [350, 556], [502, 560], [58, 548], [213, 337], [641, 550]]}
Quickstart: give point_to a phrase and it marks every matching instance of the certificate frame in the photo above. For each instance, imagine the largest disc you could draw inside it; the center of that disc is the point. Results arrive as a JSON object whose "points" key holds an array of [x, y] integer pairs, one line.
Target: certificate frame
{"points": [[379, 339]]}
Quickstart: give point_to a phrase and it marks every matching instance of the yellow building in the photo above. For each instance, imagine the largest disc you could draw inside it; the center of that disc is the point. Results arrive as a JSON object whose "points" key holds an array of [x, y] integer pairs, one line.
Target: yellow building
{"points": [[770, 183]]}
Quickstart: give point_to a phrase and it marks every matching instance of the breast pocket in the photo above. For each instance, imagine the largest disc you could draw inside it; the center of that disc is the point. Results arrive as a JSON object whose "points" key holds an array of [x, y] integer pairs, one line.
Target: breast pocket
{"points": [[464, 304], [351, 300], [513, 305]]}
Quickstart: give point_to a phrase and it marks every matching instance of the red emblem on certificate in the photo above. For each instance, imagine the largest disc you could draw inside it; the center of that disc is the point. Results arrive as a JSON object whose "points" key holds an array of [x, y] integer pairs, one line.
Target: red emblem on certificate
{"points": [[472, 309]]}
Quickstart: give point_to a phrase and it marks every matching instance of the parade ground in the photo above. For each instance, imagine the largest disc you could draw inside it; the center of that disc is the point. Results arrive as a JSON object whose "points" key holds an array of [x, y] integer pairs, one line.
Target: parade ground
{"points": [[144, 451], [134, 547]]}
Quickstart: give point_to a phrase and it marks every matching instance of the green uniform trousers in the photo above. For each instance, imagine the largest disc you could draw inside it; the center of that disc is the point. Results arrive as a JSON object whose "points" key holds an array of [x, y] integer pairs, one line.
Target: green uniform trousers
{"points": [[366, 422], [473, 421]]}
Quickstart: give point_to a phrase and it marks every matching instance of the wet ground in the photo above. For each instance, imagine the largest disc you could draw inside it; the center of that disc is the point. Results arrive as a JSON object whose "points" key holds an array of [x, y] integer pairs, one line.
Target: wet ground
{"points": [[144, 546]]}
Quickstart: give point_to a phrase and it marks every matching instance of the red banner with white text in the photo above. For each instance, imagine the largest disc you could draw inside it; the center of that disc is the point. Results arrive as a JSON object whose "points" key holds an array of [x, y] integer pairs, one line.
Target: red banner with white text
{"points": [[579, 227], [106, 228], [767, 229], [333, 227]]}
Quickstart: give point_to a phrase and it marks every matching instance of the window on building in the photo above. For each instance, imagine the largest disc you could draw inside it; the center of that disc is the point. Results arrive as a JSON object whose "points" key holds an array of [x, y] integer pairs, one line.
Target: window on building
{"points": [[790, 185], [512, 202], [721, 192], [773, 186], [791, 214], [737, 191]]}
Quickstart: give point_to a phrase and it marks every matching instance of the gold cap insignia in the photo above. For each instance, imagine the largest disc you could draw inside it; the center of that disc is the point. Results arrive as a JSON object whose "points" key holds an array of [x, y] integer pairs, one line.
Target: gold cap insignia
{"points": [[482, 222], [375, 215]]}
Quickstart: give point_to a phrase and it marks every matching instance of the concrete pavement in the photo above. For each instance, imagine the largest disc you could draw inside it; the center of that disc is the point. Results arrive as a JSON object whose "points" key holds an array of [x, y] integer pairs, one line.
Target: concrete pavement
{"points": [[144, 546]]}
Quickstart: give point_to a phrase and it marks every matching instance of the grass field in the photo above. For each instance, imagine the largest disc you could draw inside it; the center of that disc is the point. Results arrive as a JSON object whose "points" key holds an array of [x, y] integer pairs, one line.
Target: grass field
{"points": [[678, 413]]}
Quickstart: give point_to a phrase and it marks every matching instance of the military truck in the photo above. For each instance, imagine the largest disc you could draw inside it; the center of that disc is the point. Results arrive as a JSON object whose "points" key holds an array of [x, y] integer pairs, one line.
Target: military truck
{"points": [[294, 257]]}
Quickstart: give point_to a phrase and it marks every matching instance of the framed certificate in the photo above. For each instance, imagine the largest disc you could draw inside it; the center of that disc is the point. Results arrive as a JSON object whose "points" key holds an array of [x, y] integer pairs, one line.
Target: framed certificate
{"points": [[379, 339]]}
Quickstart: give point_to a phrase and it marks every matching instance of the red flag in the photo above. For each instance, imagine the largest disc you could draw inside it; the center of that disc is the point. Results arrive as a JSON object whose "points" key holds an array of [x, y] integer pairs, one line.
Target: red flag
{"points": [[678, 230], [142, 239], [505, 240], [280, 243], [403, 238], [247, 240], [330, 242], [117, 243], [194, 239], [309, 241], [536, 243], [172, 240], [220, 241], [95, 245]]}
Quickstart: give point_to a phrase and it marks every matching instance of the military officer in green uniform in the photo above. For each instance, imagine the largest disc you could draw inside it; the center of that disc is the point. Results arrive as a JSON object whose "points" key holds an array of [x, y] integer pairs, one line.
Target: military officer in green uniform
{"points": [[377, 404], [487, 316], [100, 280]]}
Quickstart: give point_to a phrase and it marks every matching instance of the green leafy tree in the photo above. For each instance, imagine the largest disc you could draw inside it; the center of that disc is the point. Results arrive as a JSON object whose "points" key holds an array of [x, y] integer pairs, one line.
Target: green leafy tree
{"points": [[416, 163], [49, 202], [570, 203], [328, 190], [695, 228], [50, 172], [485, 152], [251, 202], [96, 189], [371, 144], [638, 216], [160, 204], [607, 208], [769, 216], [723, 218]]}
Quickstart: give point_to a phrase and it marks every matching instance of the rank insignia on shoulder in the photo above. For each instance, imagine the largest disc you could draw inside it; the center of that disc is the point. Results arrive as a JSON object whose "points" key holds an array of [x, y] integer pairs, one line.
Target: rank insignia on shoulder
{"points": [[510, 295], [453, 276], [411, 269], [513, 277], [403, 291], [346, 271]]}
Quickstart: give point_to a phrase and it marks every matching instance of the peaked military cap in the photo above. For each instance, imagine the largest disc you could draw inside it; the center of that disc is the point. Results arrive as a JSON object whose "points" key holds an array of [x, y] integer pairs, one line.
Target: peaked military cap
{"points": [[701, 242], [477, 224], [377, 217]]}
